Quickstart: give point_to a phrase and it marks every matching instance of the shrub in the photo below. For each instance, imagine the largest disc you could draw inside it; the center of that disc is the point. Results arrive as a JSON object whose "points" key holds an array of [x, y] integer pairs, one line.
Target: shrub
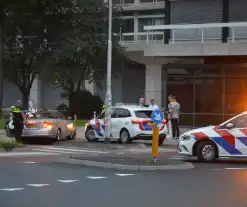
{"points": [[9, 145], [83, 104]]}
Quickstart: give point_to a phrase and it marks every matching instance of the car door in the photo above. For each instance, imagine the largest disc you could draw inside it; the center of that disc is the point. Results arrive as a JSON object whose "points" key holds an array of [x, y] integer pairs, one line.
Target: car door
{"points": [[114, 123], [120, 121], [234, 135]]}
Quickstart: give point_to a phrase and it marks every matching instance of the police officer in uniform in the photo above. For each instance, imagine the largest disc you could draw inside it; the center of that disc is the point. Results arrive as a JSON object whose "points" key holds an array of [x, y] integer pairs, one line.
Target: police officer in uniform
{"points": [[18, 120]]}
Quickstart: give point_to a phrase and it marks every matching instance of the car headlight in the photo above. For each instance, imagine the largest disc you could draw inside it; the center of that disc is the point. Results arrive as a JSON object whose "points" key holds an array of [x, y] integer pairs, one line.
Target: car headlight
{"points": [[186, 137]]}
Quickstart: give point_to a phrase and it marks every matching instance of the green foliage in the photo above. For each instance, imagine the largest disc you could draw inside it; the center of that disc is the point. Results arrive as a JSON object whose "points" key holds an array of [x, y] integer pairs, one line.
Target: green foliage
{"points": [[10, 145], [83, 104], [65, 40]]}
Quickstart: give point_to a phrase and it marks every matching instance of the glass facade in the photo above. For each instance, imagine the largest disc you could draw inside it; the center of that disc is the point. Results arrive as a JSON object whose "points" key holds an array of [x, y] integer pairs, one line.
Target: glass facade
{"points": [[208, 99]]}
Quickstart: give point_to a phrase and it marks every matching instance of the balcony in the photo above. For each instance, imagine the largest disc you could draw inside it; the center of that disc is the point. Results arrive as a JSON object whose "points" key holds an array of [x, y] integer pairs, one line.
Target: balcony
{"points": [[189, 40], [203, 33], [135, 5]]}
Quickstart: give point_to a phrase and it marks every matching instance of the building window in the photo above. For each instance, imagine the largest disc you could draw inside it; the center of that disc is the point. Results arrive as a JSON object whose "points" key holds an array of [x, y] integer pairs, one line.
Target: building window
{"points": [[236, 95], [208, 95], [182, 88], [127, 27], [116, 2], [149, 22]]}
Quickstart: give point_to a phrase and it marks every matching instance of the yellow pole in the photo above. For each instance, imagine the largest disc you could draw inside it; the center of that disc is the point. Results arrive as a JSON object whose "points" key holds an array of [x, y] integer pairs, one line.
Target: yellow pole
{"points": [[155, 142]]}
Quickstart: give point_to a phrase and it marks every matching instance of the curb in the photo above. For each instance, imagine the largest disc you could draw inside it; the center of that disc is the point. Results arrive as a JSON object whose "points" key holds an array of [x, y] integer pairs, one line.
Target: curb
{"points": [[183, 166]]}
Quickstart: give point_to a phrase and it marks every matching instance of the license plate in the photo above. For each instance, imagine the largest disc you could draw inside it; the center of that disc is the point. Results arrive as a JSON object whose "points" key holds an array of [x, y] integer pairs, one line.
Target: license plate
{"points": [[32, 126]]}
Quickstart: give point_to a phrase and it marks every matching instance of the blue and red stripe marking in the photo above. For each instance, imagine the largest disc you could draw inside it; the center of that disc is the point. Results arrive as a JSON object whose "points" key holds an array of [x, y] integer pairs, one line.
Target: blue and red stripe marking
{"points": [[97, 127], [225, 140]]}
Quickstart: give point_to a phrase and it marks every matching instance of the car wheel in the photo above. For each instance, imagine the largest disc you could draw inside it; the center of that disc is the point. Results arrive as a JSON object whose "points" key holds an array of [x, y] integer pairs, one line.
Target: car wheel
{"points": [[72, 136], [58, 135], [206, 151], [124, 136], [90, 135]]}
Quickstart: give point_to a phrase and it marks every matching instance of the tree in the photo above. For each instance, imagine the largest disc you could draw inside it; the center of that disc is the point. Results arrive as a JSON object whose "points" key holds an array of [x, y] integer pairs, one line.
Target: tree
{"points": [[31, 38], [84, 55]]}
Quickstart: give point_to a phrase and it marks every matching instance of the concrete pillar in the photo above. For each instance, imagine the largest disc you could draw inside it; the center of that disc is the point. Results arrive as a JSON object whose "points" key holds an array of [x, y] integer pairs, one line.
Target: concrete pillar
{"points": [[90, 87], [153, 84], [35, 94], [136, 26]]}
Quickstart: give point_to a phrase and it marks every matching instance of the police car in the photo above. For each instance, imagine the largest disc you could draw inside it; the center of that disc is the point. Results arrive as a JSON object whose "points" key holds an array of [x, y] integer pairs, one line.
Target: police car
{"points": [[128, 122], [228, 139]]}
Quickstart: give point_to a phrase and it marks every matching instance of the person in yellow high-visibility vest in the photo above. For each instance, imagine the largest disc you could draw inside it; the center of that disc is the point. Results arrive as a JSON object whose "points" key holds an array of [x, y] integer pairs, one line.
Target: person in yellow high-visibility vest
{"points": [[104, 107]]}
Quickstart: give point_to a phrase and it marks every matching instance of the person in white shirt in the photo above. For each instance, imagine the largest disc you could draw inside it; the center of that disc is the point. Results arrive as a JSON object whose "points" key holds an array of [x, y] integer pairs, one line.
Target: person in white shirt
{"points": [[153, 105]]}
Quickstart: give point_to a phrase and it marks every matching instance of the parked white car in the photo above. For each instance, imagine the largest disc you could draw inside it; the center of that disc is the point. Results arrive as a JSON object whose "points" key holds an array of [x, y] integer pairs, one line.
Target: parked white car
{"points": [[228, 139], [128, 123]]}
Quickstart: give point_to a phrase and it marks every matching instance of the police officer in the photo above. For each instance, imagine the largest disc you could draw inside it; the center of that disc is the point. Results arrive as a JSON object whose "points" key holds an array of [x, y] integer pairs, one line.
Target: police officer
{"points": [[18, 120]]}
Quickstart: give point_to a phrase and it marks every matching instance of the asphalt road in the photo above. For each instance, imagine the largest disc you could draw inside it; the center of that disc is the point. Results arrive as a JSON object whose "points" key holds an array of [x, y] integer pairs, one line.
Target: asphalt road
{"points": [[53, 185]]}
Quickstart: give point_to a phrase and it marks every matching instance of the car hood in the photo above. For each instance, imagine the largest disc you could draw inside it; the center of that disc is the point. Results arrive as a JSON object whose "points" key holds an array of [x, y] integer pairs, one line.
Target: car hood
{"points": [[201, 129]]}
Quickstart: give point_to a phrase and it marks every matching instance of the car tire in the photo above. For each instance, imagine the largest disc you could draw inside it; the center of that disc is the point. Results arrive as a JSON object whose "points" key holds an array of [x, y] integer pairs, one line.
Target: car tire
{"points": [[124, 136], [90, 135], [206, 151], [58, 136], [72, 136]]}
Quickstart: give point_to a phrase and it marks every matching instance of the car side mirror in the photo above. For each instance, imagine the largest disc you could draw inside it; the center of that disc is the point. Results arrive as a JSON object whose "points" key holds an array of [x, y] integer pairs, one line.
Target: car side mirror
{"points": [[230, 125]]}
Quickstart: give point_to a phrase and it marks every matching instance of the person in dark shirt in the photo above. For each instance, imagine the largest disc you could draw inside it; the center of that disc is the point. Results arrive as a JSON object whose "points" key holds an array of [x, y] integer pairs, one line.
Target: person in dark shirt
{"points": [[18, 120]]}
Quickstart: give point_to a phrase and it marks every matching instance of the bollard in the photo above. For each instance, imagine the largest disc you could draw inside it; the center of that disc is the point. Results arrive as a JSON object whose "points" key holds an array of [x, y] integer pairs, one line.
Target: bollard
{"points": [[155, 142], [94, 114]]}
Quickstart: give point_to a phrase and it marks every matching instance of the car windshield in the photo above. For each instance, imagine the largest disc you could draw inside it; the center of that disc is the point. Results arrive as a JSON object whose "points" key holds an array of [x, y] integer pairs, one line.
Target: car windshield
{"points": [[145, 114]]}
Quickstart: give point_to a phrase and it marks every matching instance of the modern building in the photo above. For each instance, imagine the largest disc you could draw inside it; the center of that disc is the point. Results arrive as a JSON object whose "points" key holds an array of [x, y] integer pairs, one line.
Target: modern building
{"points": [[194, 49]]}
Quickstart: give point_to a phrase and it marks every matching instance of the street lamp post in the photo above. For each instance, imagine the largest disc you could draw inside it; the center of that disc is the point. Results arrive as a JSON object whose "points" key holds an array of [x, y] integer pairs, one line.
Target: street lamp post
{"points": [[108, 98]]}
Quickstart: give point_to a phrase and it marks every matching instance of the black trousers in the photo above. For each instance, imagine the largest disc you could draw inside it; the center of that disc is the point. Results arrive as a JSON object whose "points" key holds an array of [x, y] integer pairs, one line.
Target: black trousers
{"points": [[175, 128], [18, 131]]}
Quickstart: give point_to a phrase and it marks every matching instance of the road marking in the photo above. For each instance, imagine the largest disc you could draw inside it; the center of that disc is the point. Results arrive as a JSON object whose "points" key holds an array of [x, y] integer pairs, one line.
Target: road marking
{"points": [[37, 185], [13, 154], [95, 177], [175, 158], [57, 151], [120, 153], [236, 168], [75, 150], [95, 154], [122, 175], [67, 181], [11, 189], [29, 162]]}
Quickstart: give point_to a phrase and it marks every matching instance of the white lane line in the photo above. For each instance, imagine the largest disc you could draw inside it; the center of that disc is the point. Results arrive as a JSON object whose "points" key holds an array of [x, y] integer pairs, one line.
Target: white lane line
{"points": [[122, 175], [29, 162], [11, 189], [37, 185], [120, 153], [75, 150], [57, 151], [95, 154], [67, 181], [236, 168], [95, 177], [175, 158], [13, 154]]}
